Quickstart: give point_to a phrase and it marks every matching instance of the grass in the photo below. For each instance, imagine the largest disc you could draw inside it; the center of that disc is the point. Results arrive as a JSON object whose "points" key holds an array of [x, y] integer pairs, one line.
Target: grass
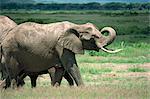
{"points": [[136, 69], [95, 71], [101, 81], [133, 90], [60, 92]]}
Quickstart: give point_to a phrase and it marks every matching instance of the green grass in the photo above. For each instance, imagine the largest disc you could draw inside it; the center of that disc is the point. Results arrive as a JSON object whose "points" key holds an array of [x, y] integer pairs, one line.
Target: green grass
{"points": [[136, 69], [95, 71]]}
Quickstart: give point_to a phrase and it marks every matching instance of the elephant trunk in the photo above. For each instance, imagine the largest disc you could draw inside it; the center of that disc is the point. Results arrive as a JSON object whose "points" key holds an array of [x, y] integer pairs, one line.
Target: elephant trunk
{"points": [[106, 40], [111, 36]]}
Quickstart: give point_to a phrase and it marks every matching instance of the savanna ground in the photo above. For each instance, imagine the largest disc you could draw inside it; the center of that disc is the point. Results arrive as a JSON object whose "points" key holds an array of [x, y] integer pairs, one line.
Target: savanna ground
{"points": [[124, 75]]}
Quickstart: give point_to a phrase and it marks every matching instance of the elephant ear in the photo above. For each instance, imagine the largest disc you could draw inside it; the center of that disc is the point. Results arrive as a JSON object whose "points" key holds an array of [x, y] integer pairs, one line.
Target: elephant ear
{"points": [[70, 40]]}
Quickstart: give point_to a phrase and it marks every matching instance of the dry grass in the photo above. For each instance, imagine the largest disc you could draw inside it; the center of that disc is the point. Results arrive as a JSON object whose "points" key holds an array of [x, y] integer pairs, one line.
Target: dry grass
{"points": [[115, 84], [89, 92]]}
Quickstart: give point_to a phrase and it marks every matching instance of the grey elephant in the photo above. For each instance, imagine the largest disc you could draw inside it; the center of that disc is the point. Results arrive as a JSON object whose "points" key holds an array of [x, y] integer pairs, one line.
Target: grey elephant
{"points": [[40, 46], [56, 74], [6, 25]]}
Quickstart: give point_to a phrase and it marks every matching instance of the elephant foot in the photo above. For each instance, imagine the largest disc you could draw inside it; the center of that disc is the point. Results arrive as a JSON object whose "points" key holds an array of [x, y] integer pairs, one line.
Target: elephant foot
{"points": [[14, 84], [56, 84]]}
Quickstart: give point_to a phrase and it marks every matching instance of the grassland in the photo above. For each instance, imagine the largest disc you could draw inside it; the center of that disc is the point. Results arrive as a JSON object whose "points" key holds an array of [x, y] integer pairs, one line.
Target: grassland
{"points": [[124, 75], [125, 22], [102, 81]]}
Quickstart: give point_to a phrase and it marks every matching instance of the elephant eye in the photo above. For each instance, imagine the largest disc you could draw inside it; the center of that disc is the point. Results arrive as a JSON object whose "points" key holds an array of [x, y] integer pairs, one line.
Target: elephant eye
{"points": [[84, 32], [81, 35]]}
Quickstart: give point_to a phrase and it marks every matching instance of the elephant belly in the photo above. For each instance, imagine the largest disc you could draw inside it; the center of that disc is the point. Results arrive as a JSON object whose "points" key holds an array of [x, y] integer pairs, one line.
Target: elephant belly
{"points": [[36, 63]]}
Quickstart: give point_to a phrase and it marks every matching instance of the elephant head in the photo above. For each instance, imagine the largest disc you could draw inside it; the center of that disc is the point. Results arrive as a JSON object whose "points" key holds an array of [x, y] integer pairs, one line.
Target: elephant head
{"points": [[87, 36], [6, 24]]}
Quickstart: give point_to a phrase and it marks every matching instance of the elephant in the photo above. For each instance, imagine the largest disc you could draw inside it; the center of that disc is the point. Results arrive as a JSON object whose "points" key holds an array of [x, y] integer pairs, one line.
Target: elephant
{"points": [[6, 25], [56, 74], [38, 47]]}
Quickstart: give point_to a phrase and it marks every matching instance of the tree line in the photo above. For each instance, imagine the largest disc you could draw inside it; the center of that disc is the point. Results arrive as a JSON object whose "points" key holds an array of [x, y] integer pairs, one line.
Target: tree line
{"points": [[72, 6]]}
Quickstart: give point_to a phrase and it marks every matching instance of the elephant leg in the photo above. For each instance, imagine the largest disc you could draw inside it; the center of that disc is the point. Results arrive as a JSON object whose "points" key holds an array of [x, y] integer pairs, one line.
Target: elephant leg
{"points": [[51, 72], [20, 79], [56, 75], [6, 73], [69, 62], [14, 83], [68, 78], [8, 83], [33, 80]]}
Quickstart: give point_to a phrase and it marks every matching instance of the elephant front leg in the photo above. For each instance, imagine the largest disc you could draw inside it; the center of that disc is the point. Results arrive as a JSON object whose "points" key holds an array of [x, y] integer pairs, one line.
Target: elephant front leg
{"points": [[7, 72], [69, 62], [68, 78]]}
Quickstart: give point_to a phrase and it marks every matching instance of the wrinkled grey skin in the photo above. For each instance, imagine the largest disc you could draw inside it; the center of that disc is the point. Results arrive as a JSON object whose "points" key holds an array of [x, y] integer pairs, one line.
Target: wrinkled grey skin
{"points": [[6, 24], [38, 47]]}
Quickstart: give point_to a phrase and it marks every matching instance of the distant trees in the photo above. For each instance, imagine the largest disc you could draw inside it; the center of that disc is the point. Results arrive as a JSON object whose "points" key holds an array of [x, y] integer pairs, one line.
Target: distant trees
{"points": [[17, 1], [70, 6]]}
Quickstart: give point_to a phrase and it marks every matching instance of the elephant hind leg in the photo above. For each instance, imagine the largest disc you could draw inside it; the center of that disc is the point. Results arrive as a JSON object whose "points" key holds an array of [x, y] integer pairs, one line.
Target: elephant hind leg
{"points": [[33, 80]]}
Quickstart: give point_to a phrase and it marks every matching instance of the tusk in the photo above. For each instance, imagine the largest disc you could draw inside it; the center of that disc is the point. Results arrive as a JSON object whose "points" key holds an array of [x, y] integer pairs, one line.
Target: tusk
{"points": [[115, 51]]}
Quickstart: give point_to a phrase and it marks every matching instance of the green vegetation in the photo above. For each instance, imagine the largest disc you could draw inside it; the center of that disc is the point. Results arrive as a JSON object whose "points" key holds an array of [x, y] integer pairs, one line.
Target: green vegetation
{"points": [[136, 69], [95, 71], [72, 6]]}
